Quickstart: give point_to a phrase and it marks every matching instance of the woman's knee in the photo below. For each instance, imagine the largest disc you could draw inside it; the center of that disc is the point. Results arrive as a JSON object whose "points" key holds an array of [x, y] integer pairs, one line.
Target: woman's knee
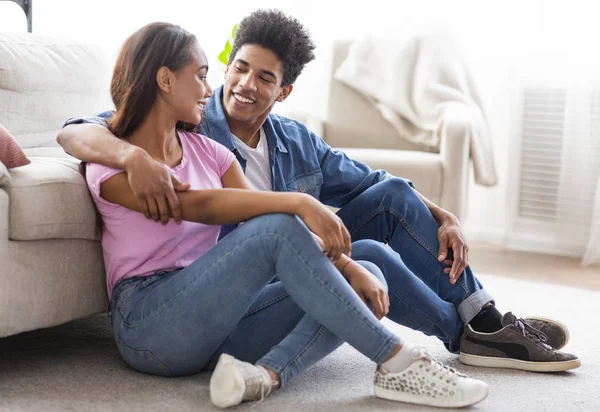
{"points": [[272, 220], [279, 223], [275, 230]]}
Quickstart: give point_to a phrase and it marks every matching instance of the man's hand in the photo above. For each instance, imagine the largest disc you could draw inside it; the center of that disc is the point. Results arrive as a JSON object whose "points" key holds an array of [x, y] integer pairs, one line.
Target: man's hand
{"points": [[368, 287], [154, 187], [450, 236]]}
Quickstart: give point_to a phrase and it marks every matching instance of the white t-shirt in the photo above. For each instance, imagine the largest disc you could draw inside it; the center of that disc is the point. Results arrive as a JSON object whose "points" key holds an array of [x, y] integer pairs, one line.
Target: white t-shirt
{"points": [[258, 167]]}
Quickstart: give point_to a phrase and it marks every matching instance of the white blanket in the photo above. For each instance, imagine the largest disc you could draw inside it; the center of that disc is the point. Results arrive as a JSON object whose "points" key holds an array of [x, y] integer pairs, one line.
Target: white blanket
{"points": [[421, 81]]}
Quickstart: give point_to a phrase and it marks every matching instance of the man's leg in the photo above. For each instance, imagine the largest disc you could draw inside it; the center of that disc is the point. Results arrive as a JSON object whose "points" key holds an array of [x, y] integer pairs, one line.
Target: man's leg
{"points": [[412, 303], [392, 213]]}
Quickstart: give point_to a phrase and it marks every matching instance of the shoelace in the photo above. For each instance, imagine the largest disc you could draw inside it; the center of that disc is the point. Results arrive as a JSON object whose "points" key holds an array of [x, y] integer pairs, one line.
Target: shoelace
{"points": [[532, 333], [258, 389], [422, 354]]}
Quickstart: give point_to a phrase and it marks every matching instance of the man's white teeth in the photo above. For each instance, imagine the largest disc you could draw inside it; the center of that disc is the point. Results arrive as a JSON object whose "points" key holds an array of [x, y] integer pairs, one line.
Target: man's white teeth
{"points": [[242, 99]]}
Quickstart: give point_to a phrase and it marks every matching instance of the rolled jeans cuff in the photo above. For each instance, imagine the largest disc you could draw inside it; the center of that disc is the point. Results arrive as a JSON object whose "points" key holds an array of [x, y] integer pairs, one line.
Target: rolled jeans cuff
{"points": [[472, 305]]}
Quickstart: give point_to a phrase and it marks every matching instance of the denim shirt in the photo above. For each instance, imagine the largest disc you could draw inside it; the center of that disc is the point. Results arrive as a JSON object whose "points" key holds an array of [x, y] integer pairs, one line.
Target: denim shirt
{"points": [[300, 160]]}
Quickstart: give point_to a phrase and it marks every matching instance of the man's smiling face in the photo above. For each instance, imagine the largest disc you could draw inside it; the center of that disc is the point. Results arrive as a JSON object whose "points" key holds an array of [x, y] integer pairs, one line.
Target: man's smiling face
{"points": [[253, 84]]}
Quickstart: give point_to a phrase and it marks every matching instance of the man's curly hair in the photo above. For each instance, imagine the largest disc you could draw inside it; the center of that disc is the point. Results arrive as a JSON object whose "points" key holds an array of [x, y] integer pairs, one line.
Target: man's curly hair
{"points": [[283, 35]]}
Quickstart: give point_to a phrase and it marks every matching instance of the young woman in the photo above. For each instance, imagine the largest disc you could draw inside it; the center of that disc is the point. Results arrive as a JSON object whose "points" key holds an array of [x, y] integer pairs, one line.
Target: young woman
{"points": [[181, 302]]}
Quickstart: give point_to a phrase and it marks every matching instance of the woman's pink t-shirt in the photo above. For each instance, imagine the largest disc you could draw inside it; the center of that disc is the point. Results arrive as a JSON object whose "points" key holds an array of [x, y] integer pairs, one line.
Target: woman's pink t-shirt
{"points": [[136, 246]]}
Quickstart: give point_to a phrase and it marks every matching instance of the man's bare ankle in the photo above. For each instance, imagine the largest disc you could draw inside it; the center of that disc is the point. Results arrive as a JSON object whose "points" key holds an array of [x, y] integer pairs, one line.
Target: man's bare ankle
{"points": [[274, 378]]}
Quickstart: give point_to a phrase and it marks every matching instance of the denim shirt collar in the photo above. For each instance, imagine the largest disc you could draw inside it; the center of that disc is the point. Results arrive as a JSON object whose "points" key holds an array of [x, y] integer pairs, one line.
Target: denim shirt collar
{"points": [[216, 126]]}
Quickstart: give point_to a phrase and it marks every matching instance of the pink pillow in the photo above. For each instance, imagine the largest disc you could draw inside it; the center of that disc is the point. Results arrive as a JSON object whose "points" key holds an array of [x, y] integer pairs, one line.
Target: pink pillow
{"points": [[11, 153]]}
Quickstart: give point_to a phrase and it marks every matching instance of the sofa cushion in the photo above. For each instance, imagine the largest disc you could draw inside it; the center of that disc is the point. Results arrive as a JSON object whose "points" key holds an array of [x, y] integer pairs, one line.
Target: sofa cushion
{"points": [[49, 199], [46, 80], [50, 151], [11, 153]]}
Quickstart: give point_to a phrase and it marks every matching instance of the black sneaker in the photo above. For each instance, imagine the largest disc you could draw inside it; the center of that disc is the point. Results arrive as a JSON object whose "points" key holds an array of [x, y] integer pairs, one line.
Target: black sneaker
{"points": [[516, 346], [556, 332]]}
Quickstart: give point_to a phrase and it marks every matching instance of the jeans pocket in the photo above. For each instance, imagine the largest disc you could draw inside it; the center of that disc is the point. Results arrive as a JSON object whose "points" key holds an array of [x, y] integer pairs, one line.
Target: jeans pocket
{"points": [[142, 360], [125, 292]]}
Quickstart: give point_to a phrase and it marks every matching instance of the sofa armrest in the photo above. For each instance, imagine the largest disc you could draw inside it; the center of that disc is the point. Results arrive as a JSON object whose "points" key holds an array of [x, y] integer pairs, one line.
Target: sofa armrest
{"points": [[314, 124], [455, 136]]}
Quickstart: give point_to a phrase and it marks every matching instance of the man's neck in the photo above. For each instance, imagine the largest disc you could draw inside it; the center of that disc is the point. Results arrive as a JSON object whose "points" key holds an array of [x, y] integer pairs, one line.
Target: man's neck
{"points": [[250, 136], [247, 132]]}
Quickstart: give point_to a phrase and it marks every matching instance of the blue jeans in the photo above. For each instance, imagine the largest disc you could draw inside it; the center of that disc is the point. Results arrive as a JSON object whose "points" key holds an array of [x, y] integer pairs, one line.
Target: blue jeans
{"points": [[177, 323], [391, 212]]}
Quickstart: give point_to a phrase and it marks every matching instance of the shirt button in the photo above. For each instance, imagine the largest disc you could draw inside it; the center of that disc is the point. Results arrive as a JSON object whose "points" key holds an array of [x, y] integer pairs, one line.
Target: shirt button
{"points": [[302, 189]]}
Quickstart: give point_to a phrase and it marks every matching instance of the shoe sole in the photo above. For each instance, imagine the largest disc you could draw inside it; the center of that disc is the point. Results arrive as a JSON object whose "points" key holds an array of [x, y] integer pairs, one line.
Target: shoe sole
{"points": [[416, 399], [509, 363], [226, 383], [557, 323]]}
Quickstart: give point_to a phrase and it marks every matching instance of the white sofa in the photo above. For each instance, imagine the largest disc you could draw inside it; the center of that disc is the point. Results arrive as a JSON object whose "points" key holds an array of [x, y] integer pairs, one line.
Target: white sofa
{"points": [[354, 125], [51, 268]]}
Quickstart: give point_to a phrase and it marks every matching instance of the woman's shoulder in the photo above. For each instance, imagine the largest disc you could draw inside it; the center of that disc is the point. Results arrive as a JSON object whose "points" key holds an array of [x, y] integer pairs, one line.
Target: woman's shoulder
{"points": [[197, 140]]}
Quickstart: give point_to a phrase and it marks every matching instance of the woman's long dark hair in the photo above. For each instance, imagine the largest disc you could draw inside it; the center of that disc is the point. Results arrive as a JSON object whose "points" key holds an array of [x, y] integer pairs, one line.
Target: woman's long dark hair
{"points": [[133, 87]]}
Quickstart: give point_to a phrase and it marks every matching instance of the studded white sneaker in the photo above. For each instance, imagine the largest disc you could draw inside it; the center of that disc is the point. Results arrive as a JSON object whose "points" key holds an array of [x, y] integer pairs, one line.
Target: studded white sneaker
{"points": [[429, 382], [234, 381]]}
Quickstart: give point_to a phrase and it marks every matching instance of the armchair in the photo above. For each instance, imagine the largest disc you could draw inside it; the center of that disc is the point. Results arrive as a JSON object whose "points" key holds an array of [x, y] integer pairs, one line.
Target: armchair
{"points": [[354, 125]]}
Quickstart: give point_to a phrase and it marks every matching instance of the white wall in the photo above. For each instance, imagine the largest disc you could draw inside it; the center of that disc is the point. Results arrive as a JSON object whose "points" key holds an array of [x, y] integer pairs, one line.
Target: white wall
{"points": [[503, 41], [12, 19]]}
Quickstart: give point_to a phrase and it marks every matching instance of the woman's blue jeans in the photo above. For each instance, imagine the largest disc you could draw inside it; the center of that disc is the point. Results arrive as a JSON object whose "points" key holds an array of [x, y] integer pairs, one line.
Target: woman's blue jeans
{"points": [[178, 323]]}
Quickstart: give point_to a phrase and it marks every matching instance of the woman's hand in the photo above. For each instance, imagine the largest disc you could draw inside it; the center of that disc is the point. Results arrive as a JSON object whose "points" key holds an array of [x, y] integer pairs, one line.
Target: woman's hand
{"points": [[327, 225], [368, 287]]}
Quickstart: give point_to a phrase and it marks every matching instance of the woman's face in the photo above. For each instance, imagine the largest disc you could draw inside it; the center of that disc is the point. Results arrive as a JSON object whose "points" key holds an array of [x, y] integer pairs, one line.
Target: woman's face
{"points": [[190, 89]]}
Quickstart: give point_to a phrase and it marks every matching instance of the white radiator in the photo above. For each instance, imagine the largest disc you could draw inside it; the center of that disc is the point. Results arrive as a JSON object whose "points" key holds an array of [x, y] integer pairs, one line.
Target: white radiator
{"points": [[559, 168]]}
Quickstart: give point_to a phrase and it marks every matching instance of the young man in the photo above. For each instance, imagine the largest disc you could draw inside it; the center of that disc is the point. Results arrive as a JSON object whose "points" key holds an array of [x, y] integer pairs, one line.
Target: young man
{"points": [[280, 154]]}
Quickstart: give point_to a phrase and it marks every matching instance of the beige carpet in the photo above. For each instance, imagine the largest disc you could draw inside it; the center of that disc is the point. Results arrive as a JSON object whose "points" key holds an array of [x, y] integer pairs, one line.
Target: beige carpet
{"points": [[76, 367]]}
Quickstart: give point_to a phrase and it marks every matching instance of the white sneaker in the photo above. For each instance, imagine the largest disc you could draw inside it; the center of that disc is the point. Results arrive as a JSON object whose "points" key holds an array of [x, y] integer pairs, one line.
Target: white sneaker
{"points": [[429, 382], [234, 381]]}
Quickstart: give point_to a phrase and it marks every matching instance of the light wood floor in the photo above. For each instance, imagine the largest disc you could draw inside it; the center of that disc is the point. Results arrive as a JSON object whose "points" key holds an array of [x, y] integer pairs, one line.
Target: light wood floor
{"points": [[533, 266]]}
